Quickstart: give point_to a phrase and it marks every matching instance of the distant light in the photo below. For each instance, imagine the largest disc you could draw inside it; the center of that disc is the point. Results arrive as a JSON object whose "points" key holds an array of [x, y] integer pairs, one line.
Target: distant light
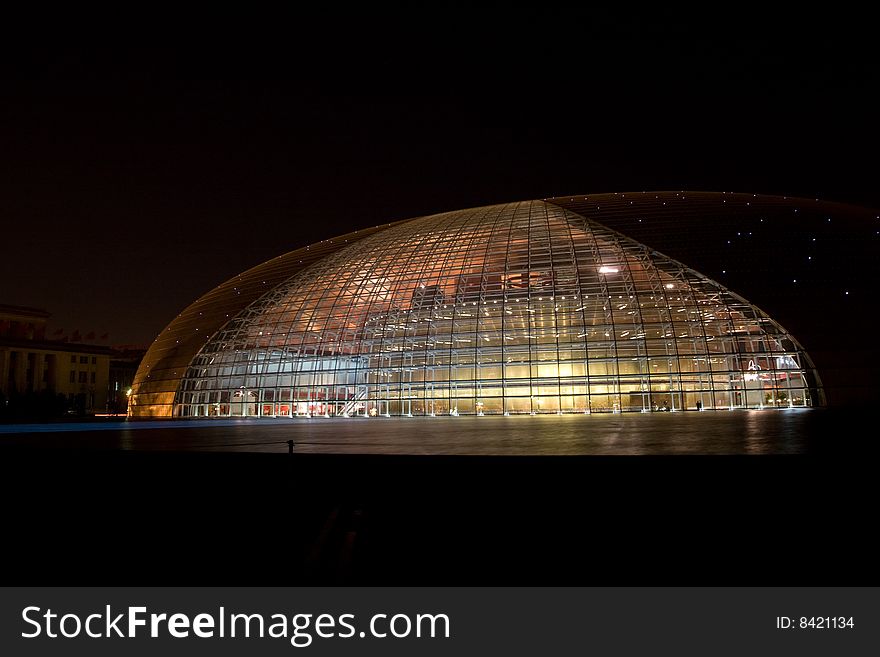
{"points": [[128, 392], [608, 270], [669, 286]]}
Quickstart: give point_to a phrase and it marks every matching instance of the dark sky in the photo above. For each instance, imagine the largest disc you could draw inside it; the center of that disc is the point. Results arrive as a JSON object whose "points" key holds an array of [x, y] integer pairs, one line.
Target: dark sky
{"points": [[138, 172]]}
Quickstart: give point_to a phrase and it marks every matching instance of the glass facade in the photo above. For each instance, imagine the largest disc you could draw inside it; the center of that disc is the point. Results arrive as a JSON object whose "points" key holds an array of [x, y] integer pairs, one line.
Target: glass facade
{"points": [[523, 308]]}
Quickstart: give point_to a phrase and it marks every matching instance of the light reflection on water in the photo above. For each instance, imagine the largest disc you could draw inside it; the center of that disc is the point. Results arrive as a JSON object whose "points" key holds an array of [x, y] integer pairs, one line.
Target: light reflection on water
{"points": [[724, 432]]}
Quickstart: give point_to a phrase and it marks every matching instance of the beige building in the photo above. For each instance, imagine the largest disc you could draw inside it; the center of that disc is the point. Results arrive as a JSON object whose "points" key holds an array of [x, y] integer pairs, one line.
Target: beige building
{"points": [[29, 363]]}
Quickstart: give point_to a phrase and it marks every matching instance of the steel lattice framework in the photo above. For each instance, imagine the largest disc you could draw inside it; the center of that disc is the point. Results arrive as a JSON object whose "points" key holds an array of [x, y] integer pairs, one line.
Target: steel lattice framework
{"points": [[520, 308]]}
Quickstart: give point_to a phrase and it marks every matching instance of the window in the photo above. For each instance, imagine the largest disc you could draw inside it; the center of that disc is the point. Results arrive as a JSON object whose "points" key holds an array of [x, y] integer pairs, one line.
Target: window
{"points": [[73, 359], [73, 376], [82, 377], [93, 377], [94, 360], [83, 360]]}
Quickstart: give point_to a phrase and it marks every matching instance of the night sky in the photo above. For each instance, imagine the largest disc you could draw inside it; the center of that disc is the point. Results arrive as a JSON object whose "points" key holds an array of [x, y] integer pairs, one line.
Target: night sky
{"points": [[138, 172]]}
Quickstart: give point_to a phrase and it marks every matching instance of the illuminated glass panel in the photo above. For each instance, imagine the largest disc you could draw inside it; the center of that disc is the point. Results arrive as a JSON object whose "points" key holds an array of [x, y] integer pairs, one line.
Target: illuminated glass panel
{"points": [[523, 308]]}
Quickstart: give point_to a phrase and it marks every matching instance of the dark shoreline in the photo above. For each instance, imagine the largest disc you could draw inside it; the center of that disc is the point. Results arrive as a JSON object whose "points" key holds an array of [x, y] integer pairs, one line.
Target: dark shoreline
{"points": [[110, 517]]}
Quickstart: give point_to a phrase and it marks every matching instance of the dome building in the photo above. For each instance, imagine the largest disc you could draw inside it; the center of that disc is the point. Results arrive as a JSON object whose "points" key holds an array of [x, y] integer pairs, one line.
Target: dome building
{"points": [[533, 307]]}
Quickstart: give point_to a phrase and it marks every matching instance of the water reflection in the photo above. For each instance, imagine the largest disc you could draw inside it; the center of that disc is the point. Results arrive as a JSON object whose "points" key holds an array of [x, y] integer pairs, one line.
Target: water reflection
{"points": [[725, 432]]}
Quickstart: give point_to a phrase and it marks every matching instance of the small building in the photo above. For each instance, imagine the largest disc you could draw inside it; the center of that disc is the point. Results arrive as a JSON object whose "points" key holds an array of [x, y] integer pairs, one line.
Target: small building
{"points": [[31, 364], [124, 363]]}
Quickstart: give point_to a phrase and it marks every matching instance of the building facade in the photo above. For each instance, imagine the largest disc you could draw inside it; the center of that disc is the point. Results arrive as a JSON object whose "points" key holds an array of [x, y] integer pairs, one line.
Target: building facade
{"points": [[31, 364], [124, 364], [522, 308]]}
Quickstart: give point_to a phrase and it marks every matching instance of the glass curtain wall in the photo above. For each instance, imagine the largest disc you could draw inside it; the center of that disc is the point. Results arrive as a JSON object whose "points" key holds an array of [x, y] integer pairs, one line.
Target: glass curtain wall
{"points": [[524, 308]]}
